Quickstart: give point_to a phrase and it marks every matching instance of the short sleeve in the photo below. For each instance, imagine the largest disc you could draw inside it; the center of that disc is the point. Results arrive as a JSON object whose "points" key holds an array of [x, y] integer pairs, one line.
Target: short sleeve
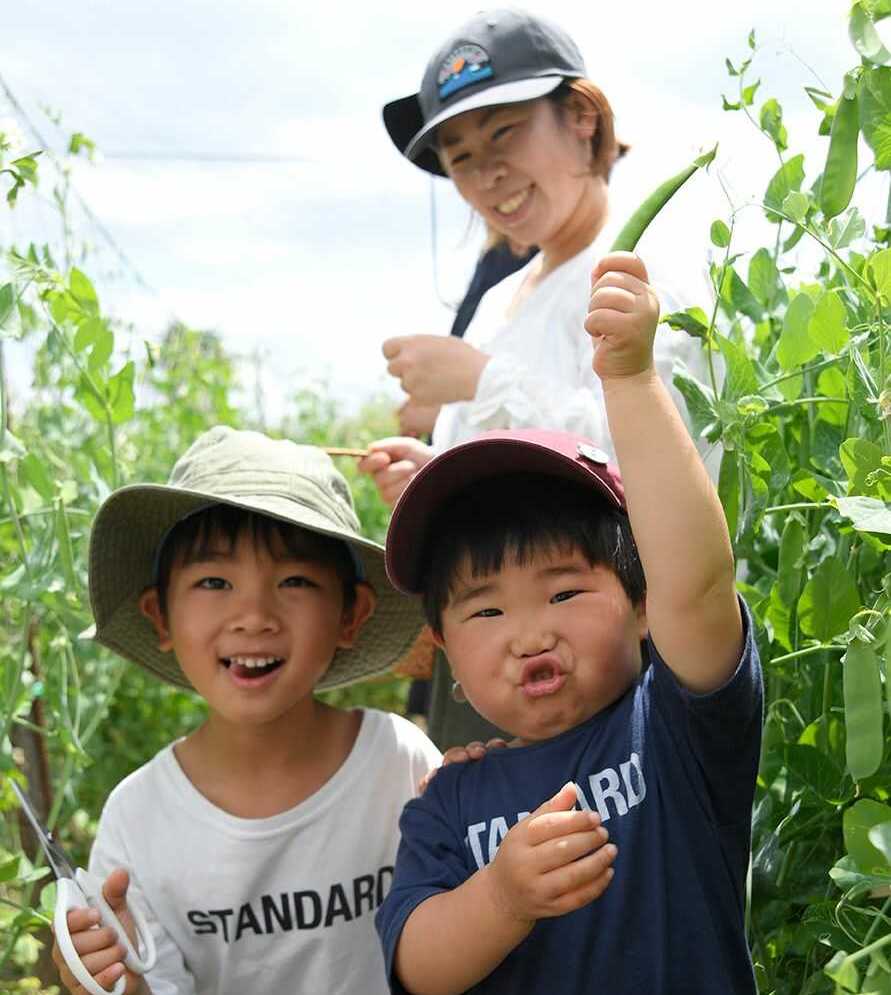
{"points": [[719, 732], [169, 976], [431, 859]]}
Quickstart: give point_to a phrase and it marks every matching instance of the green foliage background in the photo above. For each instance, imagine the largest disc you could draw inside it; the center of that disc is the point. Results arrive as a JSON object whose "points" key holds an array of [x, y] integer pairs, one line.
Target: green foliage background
{"points": [[802, 412]]}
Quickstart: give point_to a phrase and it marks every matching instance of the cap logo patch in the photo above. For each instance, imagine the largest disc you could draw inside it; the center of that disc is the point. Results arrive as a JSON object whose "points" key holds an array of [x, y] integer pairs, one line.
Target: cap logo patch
{"points": [[463, 66]]}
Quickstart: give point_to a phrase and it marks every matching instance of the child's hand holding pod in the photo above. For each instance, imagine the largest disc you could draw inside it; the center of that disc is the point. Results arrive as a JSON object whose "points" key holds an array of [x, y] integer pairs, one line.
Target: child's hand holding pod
{"points": [[623, 312]]}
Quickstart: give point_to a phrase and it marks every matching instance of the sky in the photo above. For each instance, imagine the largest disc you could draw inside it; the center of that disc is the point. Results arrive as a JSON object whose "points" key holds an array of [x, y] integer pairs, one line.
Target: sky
{"points": [[247, 183]]}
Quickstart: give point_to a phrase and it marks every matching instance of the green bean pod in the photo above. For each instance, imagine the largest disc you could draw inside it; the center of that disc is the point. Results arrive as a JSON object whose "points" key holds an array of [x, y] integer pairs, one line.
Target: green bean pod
{"points": [[863, 710], [840, 171], [629, 236]]}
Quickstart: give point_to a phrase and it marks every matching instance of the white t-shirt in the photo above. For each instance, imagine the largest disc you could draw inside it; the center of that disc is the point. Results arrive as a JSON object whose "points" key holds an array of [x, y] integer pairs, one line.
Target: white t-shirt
{"points": [[278, 905], [540, 372]]}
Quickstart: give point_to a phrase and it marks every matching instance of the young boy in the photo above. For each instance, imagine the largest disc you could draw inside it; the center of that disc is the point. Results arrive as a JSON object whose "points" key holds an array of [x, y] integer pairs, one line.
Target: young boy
{"points": [[260, 844], [636, 703]]}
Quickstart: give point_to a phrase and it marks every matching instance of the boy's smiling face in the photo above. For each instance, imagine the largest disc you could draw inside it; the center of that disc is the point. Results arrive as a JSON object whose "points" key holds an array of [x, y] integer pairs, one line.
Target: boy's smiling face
{"points": [[540, 647], [254, 628]]}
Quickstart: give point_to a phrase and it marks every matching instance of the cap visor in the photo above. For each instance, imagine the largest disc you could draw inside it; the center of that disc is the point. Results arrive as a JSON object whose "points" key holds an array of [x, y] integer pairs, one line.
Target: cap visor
{"points": [[457, 469], [504, 93]]}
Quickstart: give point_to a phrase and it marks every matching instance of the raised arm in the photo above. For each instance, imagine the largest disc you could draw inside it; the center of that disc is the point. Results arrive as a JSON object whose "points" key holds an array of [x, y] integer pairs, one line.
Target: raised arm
{"points": [[676, 517]]}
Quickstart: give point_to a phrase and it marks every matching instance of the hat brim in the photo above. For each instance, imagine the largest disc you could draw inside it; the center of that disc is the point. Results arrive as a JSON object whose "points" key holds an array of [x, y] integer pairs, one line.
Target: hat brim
{"points": [[551, 454], [413, 137], [133, 521]]}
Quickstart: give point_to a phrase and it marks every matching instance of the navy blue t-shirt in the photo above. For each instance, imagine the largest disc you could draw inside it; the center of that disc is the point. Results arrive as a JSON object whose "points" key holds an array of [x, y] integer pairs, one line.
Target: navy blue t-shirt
{"points": [[672, 775]]}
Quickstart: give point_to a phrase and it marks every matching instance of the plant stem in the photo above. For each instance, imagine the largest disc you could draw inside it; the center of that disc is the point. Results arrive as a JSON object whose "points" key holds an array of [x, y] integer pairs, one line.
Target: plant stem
{"points": [[808, 651], [784, 405], [875, 923], [798, 506], [797, 373]]}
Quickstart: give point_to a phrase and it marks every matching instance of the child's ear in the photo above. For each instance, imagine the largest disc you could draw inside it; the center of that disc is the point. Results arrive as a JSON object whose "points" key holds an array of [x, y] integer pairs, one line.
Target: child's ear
{"points": [[640, 612], [438, 641], [363, 608], [150, 606]]}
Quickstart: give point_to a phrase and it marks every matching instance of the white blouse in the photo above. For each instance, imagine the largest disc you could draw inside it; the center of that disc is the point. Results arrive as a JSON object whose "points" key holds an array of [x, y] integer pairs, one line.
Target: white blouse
{"points": [[539, 374]]}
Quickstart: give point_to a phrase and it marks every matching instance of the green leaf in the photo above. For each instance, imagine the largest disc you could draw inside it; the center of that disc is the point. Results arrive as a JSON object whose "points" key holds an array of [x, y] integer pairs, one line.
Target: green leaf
{"points": [[694, 321], [9, 868], [103, 345], [880, 837], [817, 771], [728, 489], [748, 93], [878, 267], [847, 229], [771, 121], [856, 823], [764, 279], [795, 346], [12, 448], [752, 39], [795, 205], [737, 298], [787, 178], [843, 972], [720, 234], [7, 302], [867, 514], [731, 69], [865, 38], [35, 472], [860, 457], [789, 567], [726, 105], [740, 378], [82, 290], [700, 406], [827, 327], [875, 114], [120, 394], [846, 875], [87, 334], [828, 601]]}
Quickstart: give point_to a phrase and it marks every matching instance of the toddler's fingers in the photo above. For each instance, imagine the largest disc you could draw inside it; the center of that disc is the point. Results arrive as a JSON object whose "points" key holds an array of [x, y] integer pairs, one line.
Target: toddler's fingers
{"points": [[613, 299], [583, 895], [496, 743], [625, 262], [616, 278], [553, 825], [565, 849], [580, 873]]}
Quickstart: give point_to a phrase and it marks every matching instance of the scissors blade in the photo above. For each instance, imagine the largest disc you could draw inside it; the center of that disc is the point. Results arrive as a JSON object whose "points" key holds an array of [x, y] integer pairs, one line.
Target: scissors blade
{"points": [[56, 857]]}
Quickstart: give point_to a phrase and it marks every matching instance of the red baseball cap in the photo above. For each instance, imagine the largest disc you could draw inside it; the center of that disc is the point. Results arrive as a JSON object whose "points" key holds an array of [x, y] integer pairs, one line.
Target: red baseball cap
{"points": [[555, 454]]}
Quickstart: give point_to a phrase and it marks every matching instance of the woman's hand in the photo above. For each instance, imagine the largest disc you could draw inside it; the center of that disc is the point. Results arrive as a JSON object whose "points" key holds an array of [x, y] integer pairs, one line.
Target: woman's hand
{"points": [[435, 369], [417, 419], [392, 463]]}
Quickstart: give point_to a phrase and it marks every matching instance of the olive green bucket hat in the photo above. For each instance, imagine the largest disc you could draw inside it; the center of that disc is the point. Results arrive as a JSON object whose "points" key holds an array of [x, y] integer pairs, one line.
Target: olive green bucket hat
{"points": [[292, 483]]}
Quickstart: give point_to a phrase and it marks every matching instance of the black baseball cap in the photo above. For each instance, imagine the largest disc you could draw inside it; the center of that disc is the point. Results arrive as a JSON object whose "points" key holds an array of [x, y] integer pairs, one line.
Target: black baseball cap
{"points": [[495, 453], [499, 57]]}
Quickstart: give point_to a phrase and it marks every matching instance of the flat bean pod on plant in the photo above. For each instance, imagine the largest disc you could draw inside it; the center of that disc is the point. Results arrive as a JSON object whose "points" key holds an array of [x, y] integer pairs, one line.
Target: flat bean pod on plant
{"points": [[863, 709], [637, 224], [840, 172]]}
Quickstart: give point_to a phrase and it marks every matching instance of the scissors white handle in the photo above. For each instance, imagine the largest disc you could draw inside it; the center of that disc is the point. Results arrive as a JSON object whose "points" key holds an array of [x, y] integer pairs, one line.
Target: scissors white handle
{"points": [[86, 891]]}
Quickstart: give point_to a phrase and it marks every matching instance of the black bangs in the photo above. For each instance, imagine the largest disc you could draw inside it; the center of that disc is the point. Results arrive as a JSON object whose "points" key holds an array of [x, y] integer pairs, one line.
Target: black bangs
{"points": [[516, 518], [217, 529]]}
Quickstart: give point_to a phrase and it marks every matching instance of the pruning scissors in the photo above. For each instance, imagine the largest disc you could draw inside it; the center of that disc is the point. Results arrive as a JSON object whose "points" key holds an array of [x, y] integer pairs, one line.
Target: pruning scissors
{"points": [[77, 888]]}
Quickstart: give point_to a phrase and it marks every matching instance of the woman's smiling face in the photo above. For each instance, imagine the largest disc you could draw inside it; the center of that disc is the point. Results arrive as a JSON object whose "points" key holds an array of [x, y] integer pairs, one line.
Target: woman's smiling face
{"points": [[524, 167]]}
